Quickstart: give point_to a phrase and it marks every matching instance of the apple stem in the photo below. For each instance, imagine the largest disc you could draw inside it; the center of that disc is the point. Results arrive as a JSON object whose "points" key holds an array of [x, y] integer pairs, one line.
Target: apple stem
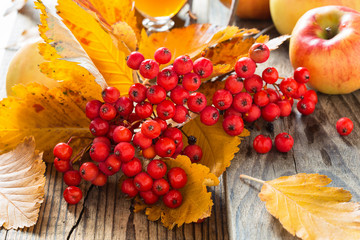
{"points": [[252, 178]]}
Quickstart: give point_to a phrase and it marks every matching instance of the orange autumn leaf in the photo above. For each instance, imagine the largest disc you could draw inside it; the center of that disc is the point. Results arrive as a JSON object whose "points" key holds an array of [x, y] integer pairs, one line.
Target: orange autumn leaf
{"points": [[98, 44], [197, 202], [309, 209], [22, 184]]}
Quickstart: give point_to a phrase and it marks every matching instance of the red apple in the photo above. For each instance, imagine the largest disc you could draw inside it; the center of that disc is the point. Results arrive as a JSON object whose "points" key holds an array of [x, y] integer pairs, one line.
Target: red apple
{"points": [[326, 40]]}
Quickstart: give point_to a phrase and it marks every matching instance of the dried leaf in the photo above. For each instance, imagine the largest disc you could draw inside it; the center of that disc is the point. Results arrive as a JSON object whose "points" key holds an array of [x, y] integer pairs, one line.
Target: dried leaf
{"points": [[22, 183], [218, 147], [98, 44], [52, 116], [197, 201], [276, 42], [310, 210]]}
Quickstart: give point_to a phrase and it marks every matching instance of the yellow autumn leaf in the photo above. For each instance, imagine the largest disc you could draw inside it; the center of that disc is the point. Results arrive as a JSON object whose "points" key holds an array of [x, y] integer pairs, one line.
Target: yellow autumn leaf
{"points": [[218, 147], [50, 115], [98, 44], [22, 184], [197, 202], [309, 209]]}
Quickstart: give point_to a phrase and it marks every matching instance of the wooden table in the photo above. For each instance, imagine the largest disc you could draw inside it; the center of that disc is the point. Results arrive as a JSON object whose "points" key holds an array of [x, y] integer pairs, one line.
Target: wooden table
{"points": [[237, 213]]}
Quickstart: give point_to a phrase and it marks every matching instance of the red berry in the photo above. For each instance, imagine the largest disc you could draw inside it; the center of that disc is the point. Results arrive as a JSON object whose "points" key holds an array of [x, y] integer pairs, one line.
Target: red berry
{"points": [[149, 153], [284, 142], [253, 84], [242, 102], [222, 99], [270, 112], [181, 114], [110, 94], [179, 95], [151, 129], [234, 84], [156, 94], [194, 152], [124, 106], [110, 133], [122, 134], [137, 92], [183, 65], [288, 87], [305, 106], [72, 178], [160, 187], [253, 114], [165, 109], [191, 81], [99, 127], [311, 95], [89, 171], [261, 98], [112, 165], [285, 108], [196, 102], [107, 112], [149, 197], [141, 140], [162, 55], [156, 169], [173, 133], [301, 90], [165, 147], [209, 115], [144, 110], [177, 177], [92, 109], [100, 180], [273, 96], [62, 165], [262, 144], [259, 52], [203, 67], [134, 60], [99, 151], [131, 168], [63, 151], [231, 111], [167, 78], [172, 199], [149, 68], [245, 67], [270, 75], [178, 150], [72, 195], [162, 123], [103, 140], [124, 151], [143, 182], [128, 187], [233, 125], [344, 126], [301, 75]]}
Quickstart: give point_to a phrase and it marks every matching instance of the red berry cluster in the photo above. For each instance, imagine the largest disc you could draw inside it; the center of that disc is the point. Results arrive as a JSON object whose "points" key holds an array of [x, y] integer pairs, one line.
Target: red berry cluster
{"points": [[119, 132]]}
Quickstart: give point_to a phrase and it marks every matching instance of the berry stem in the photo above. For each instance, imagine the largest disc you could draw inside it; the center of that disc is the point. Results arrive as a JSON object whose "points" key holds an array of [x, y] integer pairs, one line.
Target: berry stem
{"points": [[184, 132], [282, 78], [81, 153], [252, 178], [76, 137]]}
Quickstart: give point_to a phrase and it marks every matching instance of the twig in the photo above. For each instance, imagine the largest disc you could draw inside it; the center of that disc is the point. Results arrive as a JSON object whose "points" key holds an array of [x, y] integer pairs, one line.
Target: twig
{"points": [[251, 178]]}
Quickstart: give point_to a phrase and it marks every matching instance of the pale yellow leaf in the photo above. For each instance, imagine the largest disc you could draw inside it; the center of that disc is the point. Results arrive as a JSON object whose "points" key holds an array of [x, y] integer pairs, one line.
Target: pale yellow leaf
{"points": [[22, 183], [310, 210]]}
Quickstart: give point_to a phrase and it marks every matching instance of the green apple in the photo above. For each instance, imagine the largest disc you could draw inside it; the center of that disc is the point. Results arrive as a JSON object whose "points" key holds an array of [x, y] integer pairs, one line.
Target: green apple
{"points": [[326, 40], [285, 13]]}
